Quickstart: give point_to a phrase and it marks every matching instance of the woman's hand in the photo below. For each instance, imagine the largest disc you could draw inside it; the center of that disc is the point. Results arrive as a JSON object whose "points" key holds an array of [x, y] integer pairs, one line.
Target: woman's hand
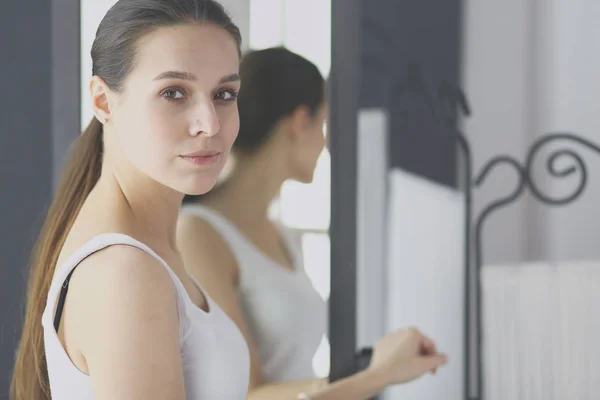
{"points": [[405, 355]]}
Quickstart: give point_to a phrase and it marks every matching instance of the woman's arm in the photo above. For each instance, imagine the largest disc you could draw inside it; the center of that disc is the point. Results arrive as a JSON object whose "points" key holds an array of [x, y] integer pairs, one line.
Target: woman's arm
{"points": [[398, 357], [286, 390], [208, 258], [121, 324], [360, 386]]}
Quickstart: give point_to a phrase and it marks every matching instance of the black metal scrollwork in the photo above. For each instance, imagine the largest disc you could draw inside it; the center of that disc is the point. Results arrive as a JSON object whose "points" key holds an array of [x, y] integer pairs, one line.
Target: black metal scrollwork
{"points": [[527, 180], [443, 102], [553, 170], [479, 223]]}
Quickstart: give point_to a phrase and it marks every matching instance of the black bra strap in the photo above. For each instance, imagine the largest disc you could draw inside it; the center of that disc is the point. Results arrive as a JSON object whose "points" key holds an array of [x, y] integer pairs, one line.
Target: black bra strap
{"points": [[61, 301]]}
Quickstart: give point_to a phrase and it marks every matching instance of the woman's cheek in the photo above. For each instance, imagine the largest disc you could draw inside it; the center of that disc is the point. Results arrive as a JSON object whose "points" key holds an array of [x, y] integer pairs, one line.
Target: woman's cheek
{"points": [[231, 125]]}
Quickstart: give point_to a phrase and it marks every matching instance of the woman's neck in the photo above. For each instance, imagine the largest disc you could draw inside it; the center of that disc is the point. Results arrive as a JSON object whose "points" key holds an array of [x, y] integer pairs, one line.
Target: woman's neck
{"points": [[149, 207], [247, 193]]}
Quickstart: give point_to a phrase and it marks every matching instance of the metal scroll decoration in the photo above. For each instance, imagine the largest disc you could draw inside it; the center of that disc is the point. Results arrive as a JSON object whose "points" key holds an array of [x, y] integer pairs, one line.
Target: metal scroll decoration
{"points": [[576, 167], [563, 163]]}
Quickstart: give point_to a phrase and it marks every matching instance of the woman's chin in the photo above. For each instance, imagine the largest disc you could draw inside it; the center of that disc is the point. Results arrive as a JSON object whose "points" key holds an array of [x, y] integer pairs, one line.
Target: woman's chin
{"points": [[305, 179], [198, 188]]}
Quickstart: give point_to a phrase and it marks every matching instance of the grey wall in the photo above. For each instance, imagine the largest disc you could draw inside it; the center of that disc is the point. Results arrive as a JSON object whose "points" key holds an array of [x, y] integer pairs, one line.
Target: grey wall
{"points": [[25, 157], [36, 67], [499, 73], [536, 77], [240, 13]]}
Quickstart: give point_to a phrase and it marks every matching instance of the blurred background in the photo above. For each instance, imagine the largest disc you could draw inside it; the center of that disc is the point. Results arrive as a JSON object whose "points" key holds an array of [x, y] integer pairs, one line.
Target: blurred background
{"points": [[383, 224]]}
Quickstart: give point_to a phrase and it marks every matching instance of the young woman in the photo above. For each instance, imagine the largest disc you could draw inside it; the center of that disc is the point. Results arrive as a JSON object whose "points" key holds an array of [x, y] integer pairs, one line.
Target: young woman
{"points": [[252, 266], [133, 324]]}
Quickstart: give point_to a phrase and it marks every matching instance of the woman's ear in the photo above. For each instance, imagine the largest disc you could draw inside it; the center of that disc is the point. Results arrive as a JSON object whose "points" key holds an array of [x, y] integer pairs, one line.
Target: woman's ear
{"points": [[99, 93], [300, 121]]}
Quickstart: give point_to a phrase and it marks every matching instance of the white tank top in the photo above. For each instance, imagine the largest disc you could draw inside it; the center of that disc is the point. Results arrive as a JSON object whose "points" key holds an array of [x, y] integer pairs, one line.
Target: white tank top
{"points": [[216, 362], [286, 315]]}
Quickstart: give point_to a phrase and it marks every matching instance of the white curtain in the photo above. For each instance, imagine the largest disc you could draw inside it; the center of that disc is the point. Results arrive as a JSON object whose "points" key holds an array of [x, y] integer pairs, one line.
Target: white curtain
{"points": [[540, 331]]}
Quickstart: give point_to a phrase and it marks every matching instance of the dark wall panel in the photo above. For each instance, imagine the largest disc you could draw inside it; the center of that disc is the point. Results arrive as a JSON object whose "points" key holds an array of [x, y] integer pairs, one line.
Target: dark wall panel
{"points": [[344, 100], [410, 48], [39, 116]]}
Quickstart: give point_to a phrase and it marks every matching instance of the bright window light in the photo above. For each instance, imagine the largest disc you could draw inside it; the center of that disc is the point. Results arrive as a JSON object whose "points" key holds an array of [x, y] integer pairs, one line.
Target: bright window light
{"points": [[308, 206], [284, 23], [309, 39], [321, 361], [316, 253], [266, 24]]}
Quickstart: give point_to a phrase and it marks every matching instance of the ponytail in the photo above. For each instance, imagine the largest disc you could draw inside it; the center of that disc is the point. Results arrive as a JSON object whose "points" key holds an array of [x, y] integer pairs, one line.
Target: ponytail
{"points": [[30, 375], [113, 57]]}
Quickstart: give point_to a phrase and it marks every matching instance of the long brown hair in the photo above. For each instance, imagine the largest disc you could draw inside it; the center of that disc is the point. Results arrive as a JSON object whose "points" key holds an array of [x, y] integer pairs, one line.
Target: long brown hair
{"points": [[113, 56], [30, 378], [264, 72]]}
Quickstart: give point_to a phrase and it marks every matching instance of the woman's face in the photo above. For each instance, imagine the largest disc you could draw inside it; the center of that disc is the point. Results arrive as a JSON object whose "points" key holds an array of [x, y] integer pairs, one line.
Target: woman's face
{"points": [[176, 118]]}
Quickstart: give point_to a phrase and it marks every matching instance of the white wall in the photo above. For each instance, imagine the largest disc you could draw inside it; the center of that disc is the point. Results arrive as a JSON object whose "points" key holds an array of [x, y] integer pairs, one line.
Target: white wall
{"points": [[425, 277], [531, 67], [92, 12], [372, 220]]}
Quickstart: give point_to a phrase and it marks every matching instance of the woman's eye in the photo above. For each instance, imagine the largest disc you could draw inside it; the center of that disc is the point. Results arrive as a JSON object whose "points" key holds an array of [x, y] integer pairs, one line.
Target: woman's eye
{"points": [[226, 95], [173, 94]]}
